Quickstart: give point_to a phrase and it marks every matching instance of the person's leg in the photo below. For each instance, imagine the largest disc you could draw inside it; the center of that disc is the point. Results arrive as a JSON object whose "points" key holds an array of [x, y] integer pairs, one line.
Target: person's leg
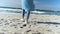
{"points": [[23, 14], [27, 16], [26, 19]]}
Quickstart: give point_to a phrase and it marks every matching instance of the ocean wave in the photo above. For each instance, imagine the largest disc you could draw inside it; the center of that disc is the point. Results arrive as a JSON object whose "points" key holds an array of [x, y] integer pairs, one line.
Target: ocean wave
{"points": [[42, 12]]}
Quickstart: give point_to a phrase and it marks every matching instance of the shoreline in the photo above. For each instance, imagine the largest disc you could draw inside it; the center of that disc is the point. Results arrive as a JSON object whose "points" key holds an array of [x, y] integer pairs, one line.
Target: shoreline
{"points": [[37, 17]]}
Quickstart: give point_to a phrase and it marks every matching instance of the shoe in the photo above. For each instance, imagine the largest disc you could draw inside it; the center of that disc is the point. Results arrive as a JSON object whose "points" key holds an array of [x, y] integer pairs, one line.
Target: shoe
{"points": [[22, 20], [26, 21]]}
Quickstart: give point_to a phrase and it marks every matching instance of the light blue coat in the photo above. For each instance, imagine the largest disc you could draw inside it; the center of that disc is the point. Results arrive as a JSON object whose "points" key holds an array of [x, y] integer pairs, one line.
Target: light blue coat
{"points": [[28, 5]]}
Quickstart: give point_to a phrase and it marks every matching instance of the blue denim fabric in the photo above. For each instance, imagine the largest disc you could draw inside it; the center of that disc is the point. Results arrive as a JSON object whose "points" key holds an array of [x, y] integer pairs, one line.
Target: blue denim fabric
{"points": [[28, 5], [27, 14]]}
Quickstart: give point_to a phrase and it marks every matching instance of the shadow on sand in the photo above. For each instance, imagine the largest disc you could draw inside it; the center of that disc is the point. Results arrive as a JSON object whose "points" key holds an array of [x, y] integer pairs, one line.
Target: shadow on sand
{"points": [[48, 22]]}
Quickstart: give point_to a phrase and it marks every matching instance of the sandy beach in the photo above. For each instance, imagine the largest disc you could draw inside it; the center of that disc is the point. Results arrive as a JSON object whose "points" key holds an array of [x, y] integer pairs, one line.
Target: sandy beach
{"points": [[38, 24]]}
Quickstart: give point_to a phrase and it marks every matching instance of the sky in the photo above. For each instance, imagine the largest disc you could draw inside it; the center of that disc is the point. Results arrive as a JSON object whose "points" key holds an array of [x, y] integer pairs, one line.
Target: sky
{"points": [[10, 3], [48, 4], [39, 4]]}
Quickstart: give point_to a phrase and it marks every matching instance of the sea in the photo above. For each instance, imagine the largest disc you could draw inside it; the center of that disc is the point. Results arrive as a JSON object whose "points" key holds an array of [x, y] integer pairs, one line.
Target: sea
{"points": [[39, 12], [41, 7]]}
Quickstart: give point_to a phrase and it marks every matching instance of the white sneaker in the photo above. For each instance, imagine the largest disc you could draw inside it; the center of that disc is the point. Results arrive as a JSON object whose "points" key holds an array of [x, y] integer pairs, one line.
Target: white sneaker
{"points": [[22, 20]]}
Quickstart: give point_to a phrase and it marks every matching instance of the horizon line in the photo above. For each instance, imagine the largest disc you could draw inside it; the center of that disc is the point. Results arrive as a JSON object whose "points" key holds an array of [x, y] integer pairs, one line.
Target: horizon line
{"points": [[21, 8]]}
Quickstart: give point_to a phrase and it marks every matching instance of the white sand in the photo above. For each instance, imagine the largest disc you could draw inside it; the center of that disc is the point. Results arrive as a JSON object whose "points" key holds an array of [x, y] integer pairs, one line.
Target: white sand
{"points": [[10, 24]]}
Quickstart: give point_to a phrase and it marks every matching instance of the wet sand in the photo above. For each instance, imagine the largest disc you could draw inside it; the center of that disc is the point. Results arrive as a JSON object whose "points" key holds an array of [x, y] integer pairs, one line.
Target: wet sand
{"points": [[38, 24]]}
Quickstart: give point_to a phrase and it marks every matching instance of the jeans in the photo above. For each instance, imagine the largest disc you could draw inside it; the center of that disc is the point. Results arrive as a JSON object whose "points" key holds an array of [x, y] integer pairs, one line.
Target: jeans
{"points": [[27, 14]]}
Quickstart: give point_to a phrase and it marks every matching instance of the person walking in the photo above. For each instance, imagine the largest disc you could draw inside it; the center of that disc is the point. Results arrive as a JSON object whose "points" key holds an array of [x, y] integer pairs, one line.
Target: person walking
{"points": [[27, 5]]}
